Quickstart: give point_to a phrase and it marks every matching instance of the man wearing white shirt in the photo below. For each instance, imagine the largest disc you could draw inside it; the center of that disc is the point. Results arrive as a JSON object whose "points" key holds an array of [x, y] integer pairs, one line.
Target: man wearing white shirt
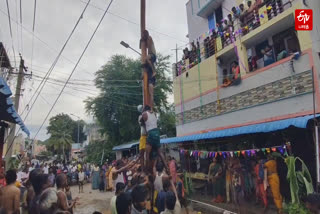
{"points": [[81, 180], [45, 169]]}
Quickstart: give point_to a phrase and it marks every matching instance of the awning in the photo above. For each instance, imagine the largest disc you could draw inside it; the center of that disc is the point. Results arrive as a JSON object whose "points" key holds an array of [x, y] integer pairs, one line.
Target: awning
{"points": [[209, 8], [299, 122], [7, 111], [125, 146]]}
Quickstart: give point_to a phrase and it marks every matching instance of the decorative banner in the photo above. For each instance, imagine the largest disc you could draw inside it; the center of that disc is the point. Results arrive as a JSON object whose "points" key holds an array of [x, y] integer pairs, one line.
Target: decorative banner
{"points": [[246, 153], [263, 15], [218, 43]]}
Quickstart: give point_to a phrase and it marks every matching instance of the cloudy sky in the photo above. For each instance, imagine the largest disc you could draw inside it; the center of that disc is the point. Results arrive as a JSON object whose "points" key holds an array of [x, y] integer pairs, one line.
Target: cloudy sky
{"points": [[166, 21]]}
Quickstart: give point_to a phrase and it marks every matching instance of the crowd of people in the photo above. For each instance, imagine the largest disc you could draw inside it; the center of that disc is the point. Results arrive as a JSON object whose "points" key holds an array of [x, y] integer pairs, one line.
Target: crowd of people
{"points": [[41, 187], [248, 18], [137, 191]]}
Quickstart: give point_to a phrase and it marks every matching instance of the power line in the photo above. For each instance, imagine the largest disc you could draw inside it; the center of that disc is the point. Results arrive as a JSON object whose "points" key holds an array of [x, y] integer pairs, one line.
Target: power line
{"points": [[42, 41], [83, 52], [47, 75], [135, 23], [21, 26], [44, 80], [10, 27], [17, 26], [33, 26]]}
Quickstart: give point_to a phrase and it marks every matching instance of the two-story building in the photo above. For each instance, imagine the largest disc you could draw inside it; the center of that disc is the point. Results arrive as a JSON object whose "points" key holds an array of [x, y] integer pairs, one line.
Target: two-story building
{"points": [[275, 96], [8, 114]]}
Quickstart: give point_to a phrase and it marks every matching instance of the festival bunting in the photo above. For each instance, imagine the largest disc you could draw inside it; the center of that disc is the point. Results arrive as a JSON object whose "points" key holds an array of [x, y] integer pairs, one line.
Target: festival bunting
{"points": [[245, 153]]}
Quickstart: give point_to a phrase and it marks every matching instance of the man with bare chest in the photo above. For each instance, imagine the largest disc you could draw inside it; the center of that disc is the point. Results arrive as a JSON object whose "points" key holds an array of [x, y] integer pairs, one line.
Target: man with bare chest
{"points": [[10, 194]]}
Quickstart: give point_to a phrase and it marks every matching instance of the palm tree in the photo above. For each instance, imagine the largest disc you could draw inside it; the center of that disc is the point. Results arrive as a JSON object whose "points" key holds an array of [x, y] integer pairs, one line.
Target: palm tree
{"points": [[61, 136]]}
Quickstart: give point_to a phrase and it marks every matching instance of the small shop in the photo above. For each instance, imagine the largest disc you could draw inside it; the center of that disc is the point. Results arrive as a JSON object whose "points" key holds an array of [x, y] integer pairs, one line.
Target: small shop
{"points": [[227, 166], [126, 150]]}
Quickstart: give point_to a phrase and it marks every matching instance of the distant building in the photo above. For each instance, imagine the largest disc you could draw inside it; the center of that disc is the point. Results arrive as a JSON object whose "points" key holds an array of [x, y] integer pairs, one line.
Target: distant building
{"points": [[92, 131]]}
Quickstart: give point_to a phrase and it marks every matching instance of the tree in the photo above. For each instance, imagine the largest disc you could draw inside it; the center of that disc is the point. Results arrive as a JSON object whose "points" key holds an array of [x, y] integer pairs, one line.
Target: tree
{"points": [[115, 107], [97, 150], [167, 122], [60, 129]]}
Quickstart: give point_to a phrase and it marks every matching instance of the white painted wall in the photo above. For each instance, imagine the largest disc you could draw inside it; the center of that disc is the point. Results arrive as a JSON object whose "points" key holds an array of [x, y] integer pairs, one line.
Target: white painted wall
{"points": [[196, 24]]}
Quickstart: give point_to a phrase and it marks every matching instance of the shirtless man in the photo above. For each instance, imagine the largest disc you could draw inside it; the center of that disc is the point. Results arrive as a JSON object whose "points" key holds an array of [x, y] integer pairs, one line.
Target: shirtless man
{"points": [[149, 63], [10, 194]]}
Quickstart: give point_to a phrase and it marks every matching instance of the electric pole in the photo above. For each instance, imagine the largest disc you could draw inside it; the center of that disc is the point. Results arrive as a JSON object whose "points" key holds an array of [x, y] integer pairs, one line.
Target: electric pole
{"points": [[10, 142], [146, 96]]}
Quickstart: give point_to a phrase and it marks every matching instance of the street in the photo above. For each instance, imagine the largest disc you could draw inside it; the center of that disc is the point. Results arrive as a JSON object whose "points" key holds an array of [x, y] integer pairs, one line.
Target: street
{"points": [[91, 200]]}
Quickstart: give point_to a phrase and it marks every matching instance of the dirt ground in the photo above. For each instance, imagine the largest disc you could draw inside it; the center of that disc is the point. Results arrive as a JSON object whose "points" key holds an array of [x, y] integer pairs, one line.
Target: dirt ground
{"points": [[93, 200]]}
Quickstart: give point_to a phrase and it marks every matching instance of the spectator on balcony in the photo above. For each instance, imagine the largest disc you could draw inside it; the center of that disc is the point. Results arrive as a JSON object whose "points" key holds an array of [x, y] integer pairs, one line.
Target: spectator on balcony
{"points": [[236, 76], [185, 54], [236, 12], [242, 12], [226, 80], [212, 44], [267, 56], [230, 23], [206, 44], [193, 56], [250, 7], [198, 52]]}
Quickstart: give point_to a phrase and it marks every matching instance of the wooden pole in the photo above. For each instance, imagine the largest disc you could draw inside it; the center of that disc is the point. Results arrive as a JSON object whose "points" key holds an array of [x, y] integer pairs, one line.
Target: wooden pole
{"points": [[146, 97]]}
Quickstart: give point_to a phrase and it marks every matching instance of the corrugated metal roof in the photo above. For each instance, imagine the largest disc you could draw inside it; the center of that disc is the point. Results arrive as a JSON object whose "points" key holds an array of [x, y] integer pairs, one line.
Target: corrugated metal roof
{"points": [[125, 146], [299, 122]]}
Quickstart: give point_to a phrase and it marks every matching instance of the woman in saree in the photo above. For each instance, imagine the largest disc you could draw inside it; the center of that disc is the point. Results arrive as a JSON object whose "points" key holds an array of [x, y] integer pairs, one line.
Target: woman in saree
{"points": [[215, 176], [274, 182], [95, 177]]}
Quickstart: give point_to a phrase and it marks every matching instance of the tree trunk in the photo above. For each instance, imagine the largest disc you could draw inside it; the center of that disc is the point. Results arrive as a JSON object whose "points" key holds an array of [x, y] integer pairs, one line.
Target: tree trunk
{"points": [[64, 155]]}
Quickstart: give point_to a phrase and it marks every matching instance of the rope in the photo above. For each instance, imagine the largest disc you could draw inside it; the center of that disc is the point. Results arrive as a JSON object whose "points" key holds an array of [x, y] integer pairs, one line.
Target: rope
{"points": [[181, 94], [199, 83]]}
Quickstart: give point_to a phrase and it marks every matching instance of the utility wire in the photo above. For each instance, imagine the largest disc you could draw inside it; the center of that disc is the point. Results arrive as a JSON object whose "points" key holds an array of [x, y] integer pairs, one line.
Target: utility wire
{"points": [[33, 26], [39, 39], [44, 80], [132, 22], [10, 27], [21, 26], [83, 52], [17, 26]]}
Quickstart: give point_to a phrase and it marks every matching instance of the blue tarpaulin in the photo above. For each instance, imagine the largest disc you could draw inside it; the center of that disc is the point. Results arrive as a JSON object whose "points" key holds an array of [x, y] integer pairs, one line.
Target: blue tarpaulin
{"points": [[125, 146], [299, 122], [7, 111]]}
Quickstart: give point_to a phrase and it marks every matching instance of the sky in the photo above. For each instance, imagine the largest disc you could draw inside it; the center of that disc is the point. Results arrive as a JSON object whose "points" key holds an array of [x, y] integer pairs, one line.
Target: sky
{"points": [[166, 21]]}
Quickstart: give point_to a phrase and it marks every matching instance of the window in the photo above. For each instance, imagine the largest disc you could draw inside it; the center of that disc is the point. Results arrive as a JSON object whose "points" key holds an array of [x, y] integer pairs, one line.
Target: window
{"points": [[218, 13]]}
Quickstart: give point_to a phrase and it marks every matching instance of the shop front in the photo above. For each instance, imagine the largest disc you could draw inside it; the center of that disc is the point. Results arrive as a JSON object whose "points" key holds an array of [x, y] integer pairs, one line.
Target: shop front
{"points": [[231, 165]]}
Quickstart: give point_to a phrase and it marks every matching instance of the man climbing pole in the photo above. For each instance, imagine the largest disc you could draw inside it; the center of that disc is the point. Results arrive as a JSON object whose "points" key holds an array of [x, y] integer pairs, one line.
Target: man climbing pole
{"points": [[153, 147], [143, 138], [149, 63]]}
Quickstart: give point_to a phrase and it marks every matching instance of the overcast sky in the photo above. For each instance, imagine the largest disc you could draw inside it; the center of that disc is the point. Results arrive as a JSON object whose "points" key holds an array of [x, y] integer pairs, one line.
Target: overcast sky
{"points": [[54, 21]]}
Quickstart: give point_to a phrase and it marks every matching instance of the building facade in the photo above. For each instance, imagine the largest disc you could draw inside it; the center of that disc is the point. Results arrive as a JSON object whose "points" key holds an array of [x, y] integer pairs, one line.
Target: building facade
{"points": [[267, 92]]}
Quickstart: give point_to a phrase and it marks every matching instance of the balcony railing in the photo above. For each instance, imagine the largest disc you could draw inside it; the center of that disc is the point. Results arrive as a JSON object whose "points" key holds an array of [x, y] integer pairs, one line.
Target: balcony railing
{"points": [[228, 31]]}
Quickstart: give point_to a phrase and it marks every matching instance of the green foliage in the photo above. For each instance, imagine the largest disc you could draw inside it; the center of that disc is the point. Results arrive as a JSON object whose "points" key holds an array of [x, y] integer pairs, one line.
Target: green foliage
{"points": [[60, 129], [300, 181], [120, 93], [13, 163], [94, 152], [167, 122], [296, 208]]}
